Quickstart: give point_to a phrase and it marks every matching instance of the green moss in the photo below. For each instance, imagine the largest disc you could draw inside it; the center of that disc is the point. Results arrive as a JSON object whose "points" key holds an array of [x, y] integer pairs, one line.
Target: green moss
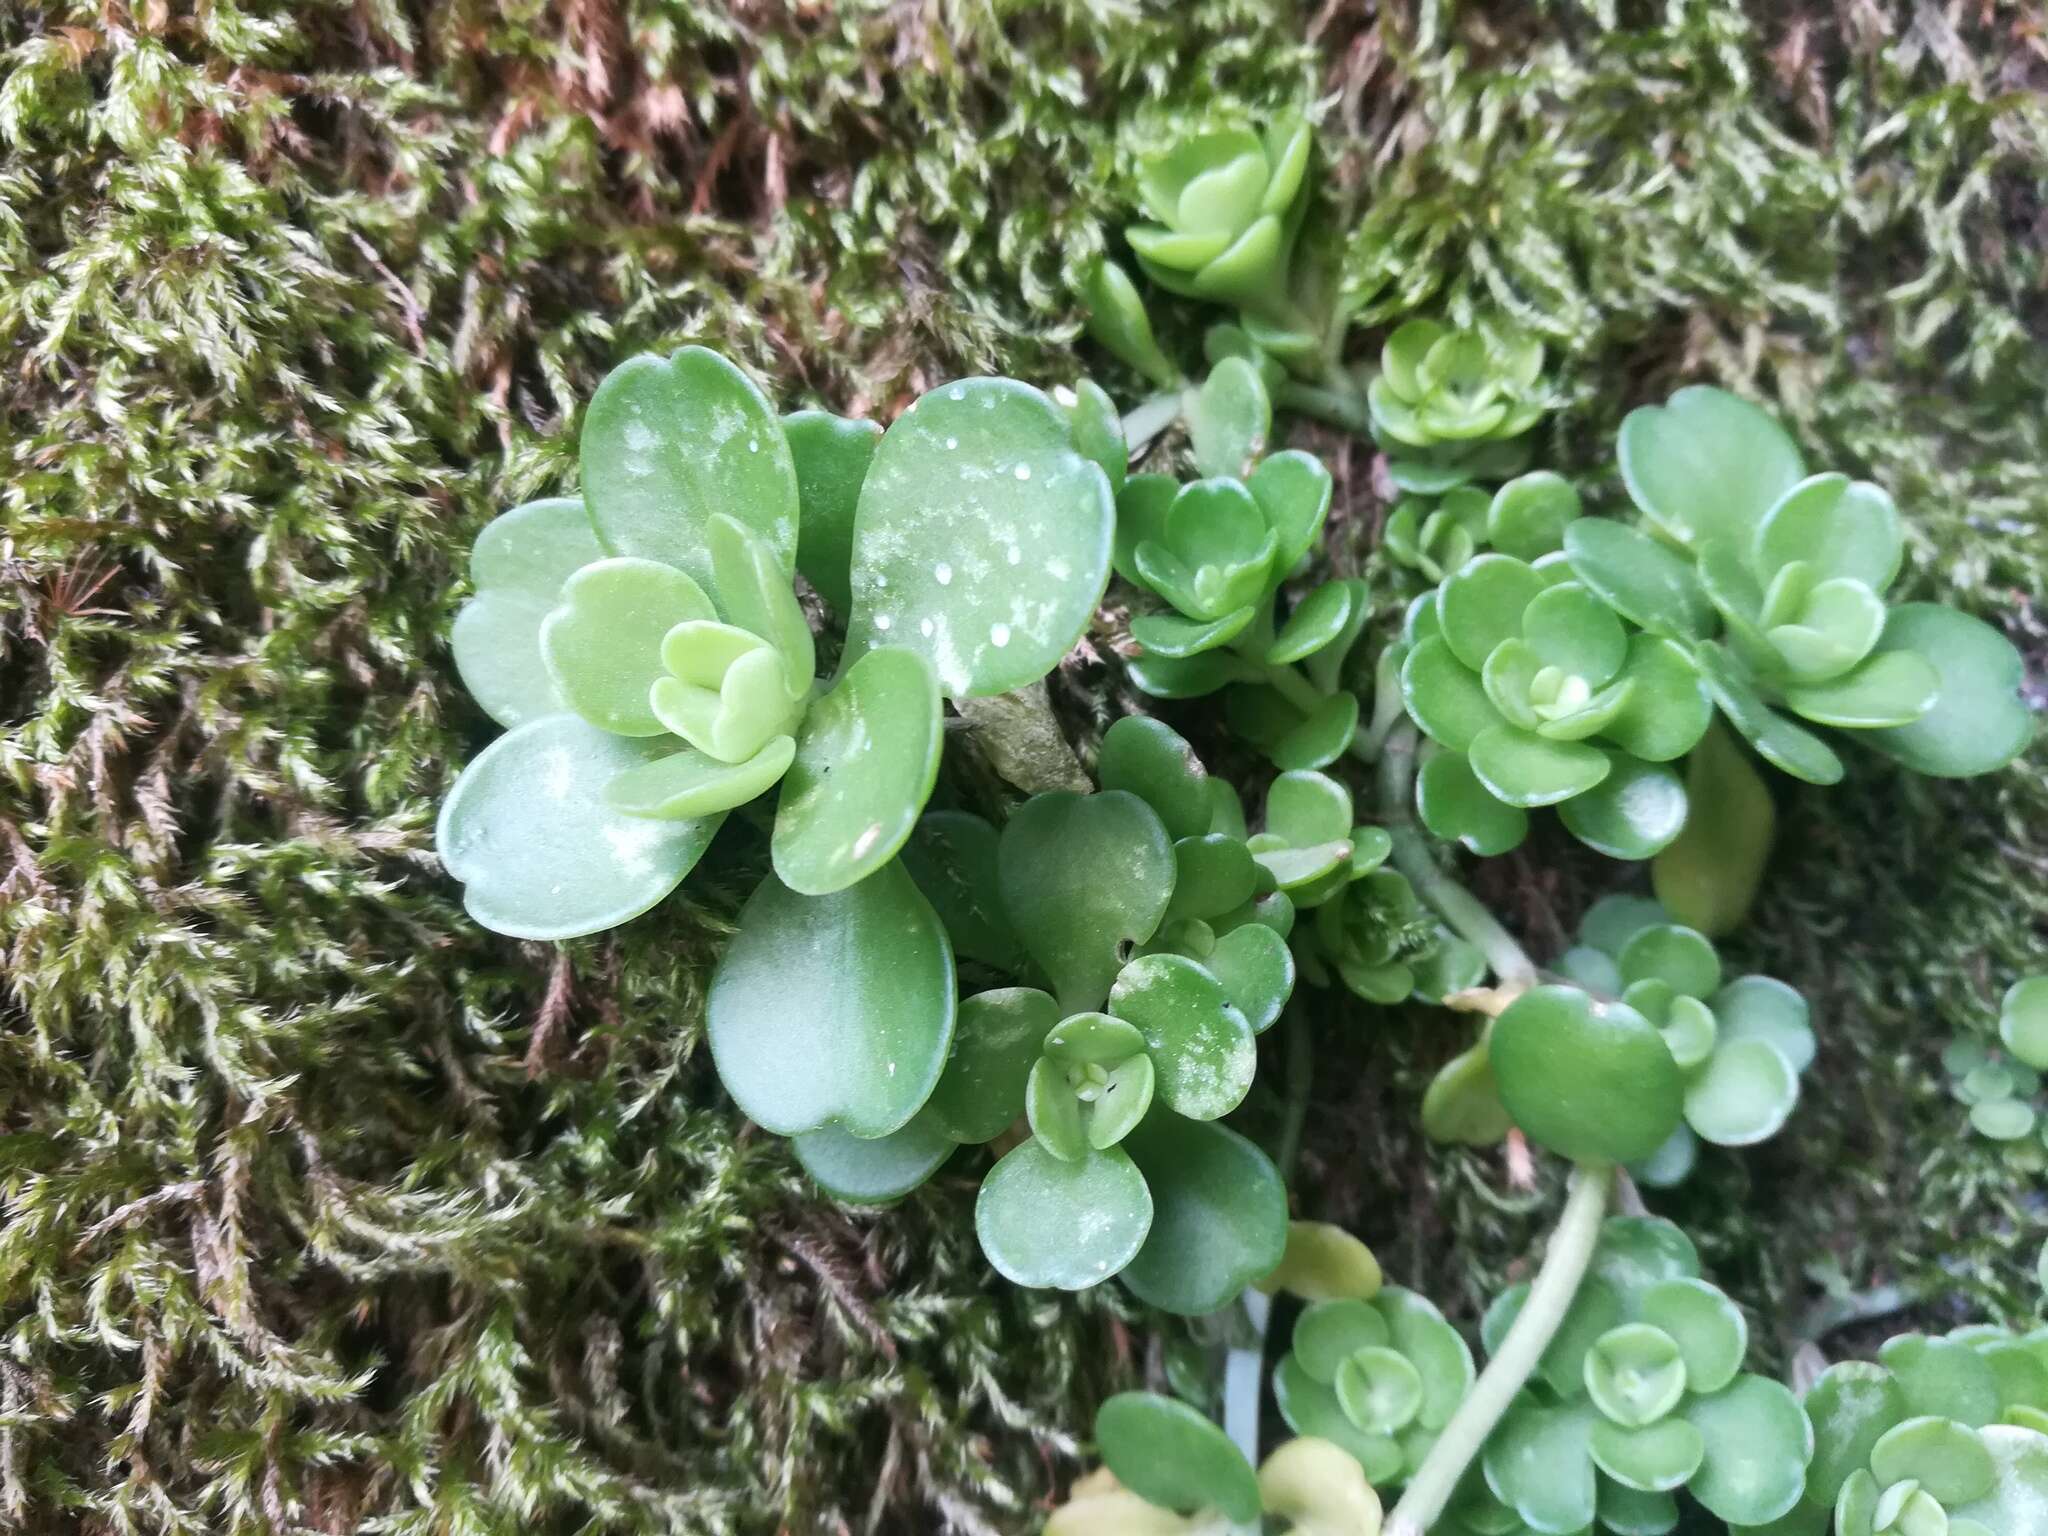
{"points": [[324, 1207]]}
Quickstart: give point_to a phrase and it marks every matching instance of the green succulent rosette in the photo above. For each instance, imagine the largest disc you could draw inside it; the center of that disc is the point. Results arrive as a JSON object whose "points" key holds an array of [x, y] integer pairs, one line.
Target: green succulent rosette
{"points": [[1225, 208], [2002, 1085], [1141, 950], [1946, 1436], [1537, 692], [1640, 1397], [1774, 582], [1740, 1043], [1379, 1378], [1451, 406], [644, 646]]}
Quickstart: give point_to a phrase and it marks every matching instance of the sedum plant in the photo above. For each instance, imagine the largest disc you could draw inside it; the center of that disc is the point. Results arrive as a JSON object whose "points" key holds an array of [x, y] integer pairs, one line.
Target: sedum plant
{"points": [[1451, 406], [1774, 583], [1741, 1043], [1142, 951], [2002, 1088], [1945, 1435], [1536, 692], [1640, 1395], [645, 647], [1224, 210]]}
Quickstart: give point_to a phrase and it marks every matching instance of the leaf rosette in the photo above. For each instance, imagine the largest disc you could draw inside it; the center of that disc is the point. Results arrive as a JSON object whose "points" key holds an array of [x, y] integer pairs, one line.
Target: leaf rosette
{"points": [[1536, 693], [1450, 406], [1225, 208]]}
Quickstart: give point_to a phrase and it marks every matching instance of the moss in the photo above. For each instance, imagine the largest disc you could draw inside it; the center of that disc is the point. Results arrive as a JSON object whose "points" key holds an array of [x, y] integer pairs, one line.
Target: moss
{"points": [[326, 1210]]}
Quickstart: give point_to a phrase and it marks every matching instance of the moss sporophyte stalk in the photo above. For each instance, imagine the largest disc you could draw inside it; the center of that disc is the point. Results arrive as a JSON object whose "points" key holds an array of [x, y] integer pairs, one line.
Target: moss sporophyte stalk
{"points": [[1081, 986]]}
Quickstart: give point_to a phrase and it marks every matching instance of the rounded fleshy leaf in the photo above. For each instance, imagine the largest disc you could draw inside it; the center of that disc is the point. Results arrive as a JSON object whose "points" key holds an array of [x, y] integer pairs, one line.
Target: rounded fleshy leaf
{"points": [[866, 758], [1219, 1215], [689, 783], [1682, 959], [983, 537], [2004, 1119], [539, 853], [1308, 808], [1651, 1458], [1319, 1490], [1592, 1082], [517, 567], [1851, 1406], [1636, 1252], [1644, 581], [1324, 1263], [1481, 604], [1318, 620], [1706, 464], [1667, 710], [1942, 1377], [1708, 876], [1293, 491], [1081, 877], [833, 1010], [861, 1170], [1635, 1374], [831, 455], [1455, 806], [1229, 419], [1528, 770], [1839, 526], [2023, 1021], [1528, 515], [2019, 1489], [603, 644], [1047, 1223], [1200, 1043], [1570, 628], [1379, 1390], [1947, 1459], [1255, 968], [1462, 1104], [1418, 1330], [1117, 319], [1151, 760], [724, 690], [1706, 1326], [1833, 629], [1777, 740], [1141, 509], [952, 857], [997, 1037], [1319, 738], [1633, 813], [1170, 1455], [1192, 677], [1098, 429], [1213, 874], [1310, 1407], [1980, 720], [754, 593], [670, 442], [1595, 1311], [1444, 696], [1539, 1462], [1330, 1332], [1743, 1095], [1758, 1442], [1170, 635]]}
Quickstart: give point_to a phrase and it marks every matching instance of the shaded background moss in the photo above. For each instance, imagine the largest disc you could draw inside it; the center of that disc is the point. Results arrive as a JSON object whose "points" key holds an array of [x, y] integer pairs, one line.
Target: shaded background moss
{"points": [[325, 1210]]}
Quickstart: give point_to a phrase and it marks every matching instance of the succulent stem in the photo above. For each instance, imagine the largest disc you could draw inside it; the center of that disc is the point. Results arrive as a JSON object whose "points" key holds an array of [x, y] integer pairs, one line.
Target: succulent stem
{"points": [[1550, 1297], [1464, 912], [1339, 407]]}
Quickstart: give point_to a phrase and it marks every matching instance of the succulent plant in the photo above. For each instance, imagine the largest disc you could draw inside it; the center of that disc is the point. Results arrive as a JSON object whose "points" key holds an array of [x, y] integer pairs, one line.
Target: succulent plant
{"points": [[655, 668], [1449, 406], [1538, 693], [1740, 1044], [1225, 209], [1941, 1435], [1773, 581], [1168, 1471], [1377, 1375], [2003, 1088], [1119, 1052], [1639, 1395]]}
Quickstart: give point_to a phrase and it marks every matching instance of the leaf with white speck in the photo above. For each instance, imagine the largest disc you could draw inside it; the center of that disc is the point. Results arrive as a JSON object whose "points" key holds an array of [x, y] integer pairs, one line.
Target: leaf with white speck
{"points": [[982, 539]]}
